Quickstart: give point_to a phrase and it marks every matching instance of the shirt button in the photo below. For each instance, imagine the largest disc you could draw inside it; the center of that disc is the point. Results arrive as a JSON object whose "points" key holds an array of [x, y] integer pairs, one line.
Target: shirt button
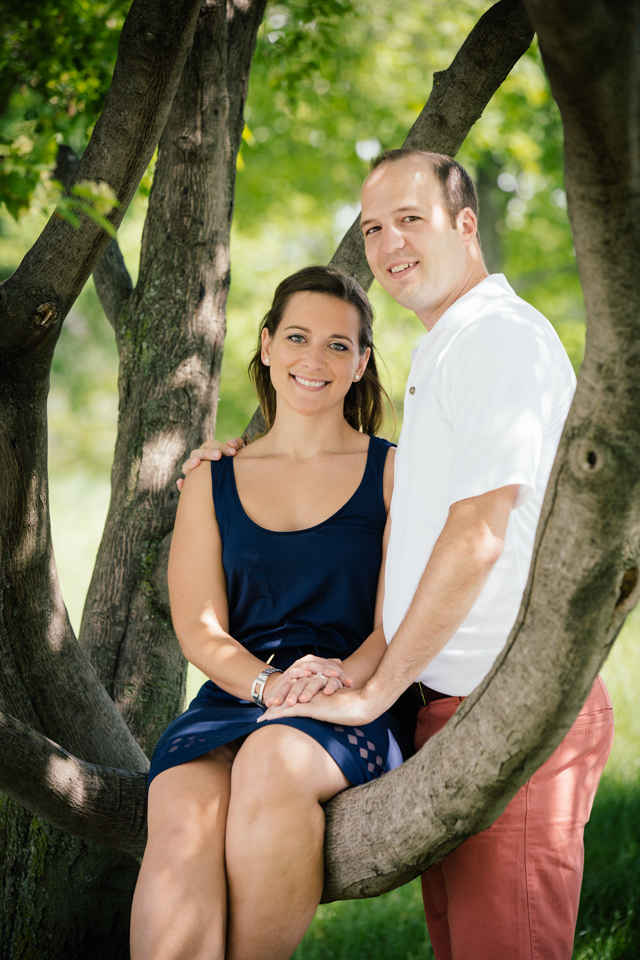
{"points": [[412, 390]]}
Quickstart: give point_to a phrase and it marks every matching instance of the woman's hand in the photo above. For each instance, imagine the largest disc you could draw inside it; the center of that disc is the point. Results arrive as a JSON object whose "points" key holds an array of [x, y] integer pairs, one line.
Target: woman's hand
{"points": [[304, 679], [210, 450]]}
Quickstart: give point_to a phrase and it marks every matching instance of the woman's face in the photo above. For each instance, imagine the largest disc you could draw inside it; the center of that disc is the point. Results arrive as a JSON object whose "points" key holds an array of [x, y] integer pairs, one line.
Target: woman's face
{"points": [[314, 355]]}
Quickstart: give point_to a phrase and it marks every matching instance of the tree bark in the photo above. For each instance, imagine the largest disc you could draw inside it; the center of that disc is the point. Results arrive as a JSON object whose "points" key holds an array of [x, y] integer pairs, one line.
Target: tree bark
{"points": [[94, 803], [170, 334]]}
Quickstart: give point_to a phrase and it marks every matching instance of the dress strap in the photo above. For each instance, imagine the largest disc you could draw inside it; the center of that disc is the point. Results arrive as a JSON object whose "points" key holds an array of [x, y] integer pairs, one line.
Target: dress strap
{"points": [[371, 490], [223, 490]]}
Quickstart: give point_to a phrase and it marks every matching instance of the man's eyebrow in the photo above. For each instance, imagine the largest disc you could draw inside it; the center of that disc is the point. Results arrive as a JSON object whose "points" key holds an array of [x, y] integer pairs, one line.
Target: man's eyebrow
{"points": [[333, 336], [363, 223]]}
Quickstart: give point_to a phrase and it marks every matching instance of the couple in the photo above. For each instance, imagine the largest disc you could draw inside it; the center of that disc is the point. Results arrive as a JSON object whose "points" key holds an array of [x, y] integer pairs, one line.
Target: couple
{"points": [[288, 579]]}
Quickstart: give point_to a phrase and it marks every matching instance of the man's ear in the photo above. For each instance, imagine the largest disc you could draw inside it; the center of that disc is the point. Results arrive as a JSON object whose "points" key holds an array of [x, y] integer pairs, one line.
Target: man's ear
{"points": [[467, 225]]}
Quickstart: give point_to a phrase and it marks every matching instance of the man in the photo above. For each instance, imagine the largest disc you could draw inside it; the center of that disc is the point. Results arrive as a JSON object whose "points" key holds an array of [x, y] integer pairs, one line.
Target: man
{"points": [[488, 393]]}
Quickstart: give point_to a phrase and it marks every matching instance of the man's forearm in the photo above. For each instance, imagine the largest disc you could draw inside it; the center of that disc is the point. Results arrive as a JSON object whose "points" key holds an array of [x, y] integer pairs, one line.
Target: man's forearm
{"points": [[464, 555]]}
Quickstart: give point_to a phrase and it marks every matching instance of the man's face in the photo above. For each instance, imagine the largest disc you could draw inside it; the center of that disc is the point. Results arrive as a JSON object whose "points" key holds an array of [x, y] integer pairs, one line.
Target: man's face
{"points": [[412, 249]]}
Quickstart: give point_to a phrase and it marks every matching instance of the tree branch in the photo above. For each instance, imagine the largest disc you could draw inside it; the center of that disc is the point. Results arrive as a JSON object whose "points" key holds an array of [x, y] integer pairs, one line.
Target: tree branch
{"points": [[458, 97], [99, 804], [110, 275], [113, 282], [154, 46]]}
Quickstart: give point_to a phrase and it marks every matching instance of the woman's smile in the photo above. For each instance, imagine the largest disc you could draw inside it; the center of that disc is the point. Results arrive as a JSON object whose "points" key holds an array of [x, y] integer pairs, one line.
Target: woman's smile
{"points": [[309, 384]]}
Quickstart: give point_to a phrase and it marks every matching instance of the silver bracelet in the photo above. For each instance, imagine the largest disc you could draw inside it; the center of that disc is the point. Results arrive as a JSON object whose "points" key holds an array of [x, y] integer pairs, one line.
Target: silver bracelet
{"points": [[257, 688]]}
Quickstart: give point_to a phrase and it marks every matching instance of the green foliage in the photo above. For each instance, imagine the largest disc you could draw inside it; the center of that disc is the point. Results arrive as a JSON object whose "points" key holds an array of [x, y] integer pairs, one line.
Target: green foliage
{"points": [[56, 61]]}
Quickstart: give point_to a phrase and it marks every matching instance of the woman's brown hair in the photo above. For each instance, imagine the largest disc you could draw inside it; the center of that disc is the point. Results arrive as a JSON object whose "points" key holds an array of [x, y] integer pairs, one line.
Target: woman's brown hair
{"points": [[364, 403]]}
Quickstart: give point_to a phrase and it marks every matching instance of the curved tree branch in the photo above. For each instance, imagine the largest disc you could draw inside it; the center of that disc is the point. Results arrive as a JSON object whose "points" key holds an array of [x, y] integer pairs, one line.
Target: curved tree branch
{"points": [[458, 97], [113, 282], [99, 804], [110, 274], [155, 42]]}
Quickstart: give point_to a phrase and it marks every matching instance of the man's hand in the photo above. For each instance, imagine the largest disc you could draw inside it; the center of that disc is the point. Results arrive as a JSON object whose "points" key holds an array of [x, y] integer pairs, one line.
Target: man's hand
{"points": [[210, 450], [349, 707], [304, 679]]}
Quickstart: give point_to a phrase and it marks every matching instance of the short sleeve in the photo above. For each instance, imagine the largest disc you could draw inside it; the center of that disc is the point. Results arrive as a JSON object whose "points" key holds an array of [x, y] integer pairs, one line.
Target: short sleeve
{"points": [[500, 398]]}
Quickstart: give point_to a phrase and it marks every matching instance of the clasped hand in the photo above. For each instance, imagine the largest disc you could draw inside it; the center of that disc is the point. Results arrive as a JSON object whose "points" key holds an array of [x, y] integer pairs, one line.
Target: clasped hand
{"points": [[304, 679]]}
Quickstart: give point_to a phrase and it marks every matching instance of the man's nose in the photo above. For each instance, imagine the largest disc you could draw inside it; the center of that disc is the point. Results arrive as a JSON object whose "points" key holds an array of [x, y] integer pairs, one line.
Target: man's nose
{"points": [[392, 238]]}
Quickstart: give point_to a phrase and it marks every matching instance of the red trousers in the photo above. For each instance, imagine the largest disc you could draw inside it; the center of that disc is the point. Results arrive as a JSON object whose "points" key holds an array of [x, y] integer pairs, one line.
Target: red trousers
{"points": [[512, 891]]}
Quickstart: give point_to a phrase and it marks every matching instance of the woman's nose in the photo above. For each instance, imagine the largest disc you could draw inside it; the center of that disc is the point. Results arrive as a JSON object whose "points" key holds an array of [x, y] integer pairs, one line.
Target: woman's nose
{"points": [[314, 358]]}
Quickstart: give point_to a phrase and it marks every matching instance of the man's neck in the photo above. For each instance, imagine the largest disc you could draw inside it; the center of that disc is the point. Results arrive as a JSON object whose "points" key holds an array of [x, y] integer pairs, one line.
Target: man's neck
{"points": [[475, 274]]}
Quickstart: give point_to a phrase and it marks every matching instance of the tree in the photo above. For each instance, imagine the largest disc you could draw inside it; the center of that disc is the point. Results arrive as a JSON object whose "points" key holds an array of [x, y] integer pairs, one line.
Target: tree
{"points": [[170, 331]]}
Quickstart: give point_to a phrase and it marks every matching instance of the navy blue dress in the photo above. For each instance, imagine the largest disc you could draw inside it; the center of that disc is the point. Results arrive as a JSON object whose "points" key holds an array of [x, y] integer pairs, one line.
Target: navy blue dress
{"points": [[294, 593]]}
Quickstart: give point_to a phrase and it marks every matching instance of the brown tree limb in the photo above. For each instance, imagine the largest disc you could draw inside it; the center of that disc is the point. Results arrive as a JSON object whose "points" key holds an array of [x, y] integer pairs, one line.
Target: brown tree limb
{"points": [[459, 95], [110, 275], [113, 282], [155, 42], [99, 804]]}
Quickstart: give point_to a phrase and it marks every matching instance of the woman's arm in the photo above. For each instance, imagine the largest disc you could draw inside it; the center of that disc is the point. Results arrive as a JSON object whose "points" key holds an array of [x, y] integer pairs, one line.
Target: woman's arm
{"points": [[199, 607], [198, 592]]}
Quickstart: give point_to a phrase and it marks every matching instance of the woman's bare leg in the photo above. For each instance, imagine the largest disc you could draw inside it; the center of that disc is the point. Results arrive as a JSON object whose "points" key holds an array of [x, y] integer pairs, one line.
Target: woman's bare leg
{"points": [[275, 840], [180, 904]]}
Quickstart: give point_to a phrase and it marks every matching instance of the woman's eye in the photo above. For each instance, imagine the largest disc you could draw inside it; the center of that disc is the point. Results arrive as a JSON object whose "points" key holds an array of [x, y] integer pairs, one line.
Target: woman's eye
{"points": [[296, 338], [339, 347]]}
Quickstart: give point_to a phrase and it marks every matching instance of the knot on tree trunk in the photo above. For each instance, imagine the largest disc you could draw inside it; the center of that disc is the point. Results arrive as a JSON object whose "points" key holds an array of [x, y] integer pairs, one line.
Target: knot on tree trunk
{"points": [[45, 315]]}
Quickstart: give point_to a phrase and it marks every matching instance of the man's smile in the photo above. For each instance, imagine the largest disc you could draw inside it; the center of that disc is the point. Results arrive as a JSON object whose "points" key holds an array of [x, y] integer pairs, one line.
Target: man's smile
{"points": [[401, 268]]}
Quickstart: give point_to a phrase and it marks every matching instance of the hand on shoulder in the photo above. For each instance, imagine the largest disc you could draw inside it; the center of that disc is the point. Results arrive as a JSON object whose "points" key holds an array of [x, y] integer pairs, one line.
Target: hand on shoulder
{"points": [[210, 450]]}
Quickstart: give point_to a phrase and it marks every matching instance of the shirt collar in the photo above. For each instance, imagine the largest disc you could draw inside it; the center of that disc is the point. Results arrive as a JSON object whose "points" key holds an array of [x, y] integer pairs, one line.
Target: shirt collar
{"points": [[466, 307]]}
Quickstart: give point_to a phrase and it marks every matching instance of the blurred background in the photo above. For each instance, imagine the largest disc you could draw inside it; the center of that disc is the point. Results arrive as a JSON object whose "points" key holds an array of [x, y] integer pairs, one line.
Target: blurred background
{"points": [[332, 85]]}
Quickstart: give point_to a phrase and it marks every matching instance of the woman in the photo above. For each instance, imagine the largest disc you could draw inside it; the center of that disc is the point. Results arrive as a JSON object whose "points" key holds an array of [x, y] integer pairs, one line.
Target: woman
{"points": [[274, 583]]}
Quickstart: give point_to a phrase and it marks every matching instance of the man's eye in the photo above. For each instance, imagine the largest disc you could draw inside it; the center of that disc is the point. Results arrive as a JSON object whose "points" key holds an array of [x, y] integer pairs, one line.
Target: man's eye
{"points": [[411, 218], [371, 230]]}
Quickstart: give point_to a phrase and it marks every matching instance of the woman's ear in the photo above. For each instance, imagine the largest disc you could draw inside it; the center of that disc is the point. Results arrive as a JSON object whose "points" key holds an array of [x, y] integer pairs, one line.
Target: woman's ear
{"points": [[362, 364], [265, 352]]}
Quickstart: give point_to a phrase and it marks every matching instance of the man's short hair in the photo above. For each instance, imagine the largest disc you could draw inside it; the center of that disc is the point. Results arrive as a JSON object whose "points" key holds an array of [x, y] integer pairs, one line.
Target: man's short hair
{"points": [[458, 188]]}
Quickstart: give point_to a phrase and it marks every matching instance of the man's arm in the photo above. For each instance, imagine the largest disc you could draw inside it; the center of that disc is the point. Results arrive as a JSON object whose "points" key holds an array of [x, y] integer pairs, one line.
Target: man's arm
{"points": [[471, 542]]}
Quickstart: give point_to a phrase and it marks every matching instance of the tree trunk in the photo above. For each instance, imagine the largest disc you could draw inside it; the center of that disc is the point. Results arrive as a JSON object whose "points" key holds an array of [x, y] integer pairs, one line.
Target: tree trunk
{"points": [[170, 332]]}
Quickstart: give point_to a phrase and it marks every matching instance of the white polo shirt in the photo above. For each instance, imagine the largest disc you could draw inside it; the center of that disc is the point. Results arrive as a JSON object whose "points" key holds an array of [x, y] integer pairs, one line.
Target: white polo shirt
{"points": [[487, 397]]}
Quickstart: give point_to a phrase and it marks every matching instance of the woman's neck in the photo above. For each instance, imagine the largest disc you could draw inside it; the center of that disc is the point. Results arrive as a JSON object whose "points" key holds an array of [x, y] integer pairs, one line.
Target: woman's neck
{"points": [[303, 438]]}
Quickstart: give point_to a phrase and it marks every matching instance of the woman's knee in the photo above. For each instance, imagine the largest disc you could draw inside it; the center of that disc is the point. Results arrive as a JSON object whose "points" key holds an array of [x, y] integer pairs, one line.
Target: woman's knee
{"points": [[281, 764]]}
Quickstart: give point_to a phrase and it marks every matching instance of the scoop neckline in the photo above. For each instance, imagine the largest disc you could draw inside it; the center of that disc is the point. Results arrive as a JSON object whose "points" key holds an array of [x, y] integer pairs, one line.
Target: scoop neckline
{"points": [[288, 533]]}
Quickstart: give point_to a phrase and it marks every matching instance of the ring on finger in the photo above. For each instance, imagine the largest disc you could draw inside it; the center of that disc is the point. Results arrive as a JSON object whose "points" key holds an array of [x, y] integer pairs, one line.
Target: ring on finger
{"points": [[326, 679]]}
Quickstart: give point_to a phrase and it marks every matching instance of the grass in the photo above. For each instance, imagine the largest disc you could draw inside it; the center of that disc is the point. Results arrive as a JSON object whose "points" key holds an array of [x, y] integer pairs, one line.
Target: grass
{"points": [[392, 927]]}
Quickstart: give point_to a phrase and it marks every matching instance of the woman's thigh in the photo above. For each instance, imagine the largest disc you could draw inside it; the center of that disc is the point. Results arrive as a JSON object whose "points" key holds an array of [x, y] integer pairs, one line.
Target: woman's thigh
{"points": [[189, 801]]}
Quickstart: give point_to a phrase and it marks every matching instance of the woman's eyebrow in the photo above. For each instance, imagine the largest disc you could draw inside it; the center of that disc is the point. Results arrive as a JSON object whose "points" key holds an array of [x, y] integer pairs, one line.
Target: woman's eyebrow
{"points": [[333, 336]]}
